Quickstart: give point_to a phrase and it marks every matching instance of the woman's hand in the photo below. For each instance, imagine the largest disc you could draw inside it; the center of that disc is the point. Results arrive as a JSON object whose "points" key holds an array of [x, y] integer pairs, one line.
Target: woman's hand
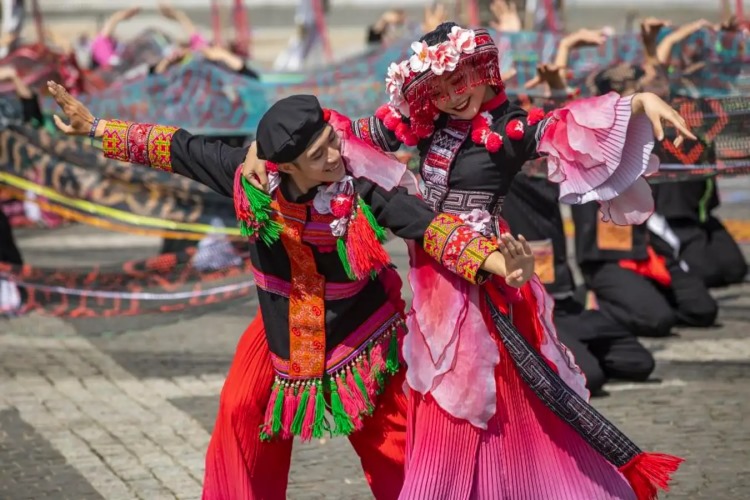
{"points": [[519, 259], [514, 260], [506, 15], [169, 61], [433, 17], [79, 116], [254, 170], [657, 110], [549, 74], [584, 38]]}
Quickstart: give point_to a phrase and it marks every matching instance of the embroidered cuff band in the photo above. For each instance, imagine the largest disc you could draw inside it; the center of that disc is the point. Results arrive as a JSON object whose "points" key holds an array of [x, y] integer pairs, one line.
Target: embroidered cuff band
{"points": [[458, 247]]}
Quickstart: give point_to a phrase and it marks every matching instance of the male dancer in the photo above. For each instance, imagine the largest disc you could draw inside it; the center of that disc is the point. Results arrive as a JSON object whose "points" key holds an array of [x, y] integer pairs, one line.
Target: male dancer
{"points": [[331, 311]]}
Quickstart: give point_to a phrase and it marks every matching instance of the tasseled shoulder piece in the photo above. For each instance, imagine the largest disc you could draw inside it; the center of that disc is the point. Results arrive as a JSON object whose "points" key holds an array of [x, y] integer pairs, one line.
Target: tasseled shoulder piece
{"points": [[253, 210]]}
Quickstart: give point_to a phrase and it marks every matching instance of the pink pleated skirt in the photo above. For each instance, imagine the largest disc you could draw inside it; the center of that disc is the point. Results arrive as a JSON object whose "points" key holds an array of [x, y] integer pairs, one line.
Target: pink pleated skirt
{"points": [[526, 453]]}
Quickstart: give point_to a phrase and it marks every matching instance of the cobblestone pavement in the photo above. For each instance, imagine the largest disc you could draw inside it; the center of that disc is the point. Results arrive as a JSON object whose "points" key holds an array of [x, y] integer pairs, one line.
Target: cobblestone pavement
{"points": [[123, 408]]}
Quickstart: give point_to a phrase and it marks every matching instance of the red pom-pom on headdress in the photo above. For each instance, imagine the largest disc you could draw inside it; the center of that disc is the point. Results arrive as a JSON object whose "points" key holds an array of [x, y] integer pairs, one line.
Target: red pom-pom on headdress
{"points": [[534, 117], [494, 142], [326, 114], [514, 129]]}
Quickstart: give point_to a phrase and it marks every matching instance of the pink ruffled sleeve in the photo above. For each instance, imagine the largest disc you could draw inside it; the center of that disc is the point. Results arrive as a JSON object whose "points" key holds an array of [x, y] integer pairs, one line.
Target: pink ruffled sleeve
{"points": [[597, 151], [103, 50]]}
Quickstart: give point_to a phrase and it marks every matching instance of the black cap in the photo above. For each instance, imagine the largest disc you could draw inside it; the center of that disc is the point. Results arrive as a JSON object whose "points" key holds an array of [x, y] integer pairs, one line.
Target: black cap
{"points": [[288, 128]]}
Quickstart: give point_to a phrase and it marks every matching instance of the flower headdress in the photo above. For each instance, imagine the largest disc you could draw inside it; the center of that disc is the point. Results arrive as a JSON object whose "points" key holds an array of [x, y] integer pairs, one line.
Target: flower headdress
{"points": [[411, 84]]}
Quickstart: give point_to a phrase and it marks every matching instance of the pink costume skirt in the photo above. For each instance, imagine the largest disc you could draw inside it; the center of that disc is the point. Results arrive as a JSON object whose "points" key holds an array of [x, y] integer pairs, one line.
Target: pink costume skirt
{"points": [[526, 452]]}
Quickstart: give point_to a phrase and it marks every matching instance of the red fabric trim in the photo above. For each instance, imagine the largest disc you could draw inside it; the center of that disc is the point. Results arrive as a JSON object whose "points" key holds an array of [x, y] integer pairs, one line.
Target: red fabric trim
{"points": [[497, 101], [653, 268]]}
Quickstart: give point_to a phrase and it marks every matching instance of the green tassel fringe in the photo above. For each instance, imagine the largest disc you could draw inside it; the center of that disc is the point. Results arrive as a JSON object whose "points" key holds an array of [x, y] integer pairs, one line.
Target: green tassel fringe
{"points": [[260, 202], [341, 419], [362, 389], [391, 363], [277, 409], [341, 249], [377, 372], [380, 233], [299, 417], [321, 424]]}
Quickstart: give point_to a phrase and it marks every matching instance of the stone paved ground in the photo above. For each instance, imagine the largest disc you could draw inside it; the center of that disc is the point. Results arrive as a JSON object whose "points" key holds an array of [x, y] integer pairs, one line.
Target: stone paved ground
{"points": [[123, 408]]}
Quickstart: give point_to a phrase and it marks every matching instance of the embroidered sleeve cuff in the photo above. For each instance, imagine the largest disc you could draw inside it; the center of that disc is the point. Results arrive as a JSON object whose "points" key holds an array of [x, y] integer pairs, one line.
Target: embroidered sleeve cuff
{"points": [[140, 143], [458, 247], [373, 132]]}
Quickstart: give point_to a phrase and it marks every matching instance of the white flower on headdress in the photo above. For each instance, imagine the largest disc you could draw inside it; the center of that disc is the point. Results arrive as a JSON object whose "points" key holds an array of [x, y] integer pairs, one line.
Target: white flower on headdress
{"points": [[444, 58], [463, 40], [397, 74], [420, 61], [478, 220]]}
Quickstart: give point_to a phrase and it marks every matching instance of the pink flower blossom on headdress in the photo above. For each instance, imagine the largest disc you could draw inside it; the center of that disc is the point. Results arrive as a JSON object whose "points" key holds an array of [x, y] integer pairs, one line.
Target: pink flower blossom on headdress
{"points": [[420, 61], [444, 58], [394, 82], [463, 40], [397, 73]]}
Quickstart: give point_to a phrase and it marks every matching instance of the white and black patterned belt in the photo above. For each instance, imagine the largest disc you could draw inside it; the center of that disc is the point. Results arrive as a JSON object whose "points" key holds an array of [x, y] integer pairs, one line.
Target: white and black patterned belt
{"points": [[459, 201]]}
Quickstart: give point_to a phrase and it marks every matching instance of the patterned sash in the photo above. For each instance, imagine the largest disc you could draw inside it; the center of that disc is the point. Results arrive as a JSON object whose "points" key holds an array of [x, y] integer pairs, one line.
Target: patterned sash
{"points": [[645, 471]]}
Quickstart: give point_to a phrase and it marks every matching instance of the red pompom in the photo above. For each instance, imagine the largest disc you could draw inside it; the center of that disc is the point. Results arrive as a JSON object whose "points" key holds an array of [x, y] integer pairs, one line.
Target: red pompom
{"points": [[494, 142], [514, 129], [392, 121], [405, 135], [534, 117], [477, 135], [382, 112], [326, 114], [341, 205]]}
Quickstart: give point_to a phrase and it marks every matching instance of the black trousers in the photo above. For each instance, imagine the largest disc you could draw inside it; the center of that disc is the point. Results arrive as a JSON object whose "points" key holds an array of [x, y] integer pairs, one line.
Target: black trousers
{"points": [[710, 251], [646, 308], [603, 348], [8, 250]]}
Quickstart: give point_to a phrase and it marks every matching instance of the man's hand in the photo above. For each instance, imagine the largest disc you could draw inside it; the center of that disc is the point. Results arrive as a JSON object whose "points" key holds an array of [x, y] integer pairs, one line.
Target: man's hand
{"points": [[79, 116], [254, 170]]}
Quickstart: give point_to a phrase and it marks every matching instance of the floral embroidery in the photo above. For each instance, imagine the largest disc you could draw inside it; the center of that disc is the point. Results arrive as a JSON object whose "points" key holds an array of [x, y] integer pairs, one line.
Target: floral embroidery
{"points": [[139, 143], [472, 258], [307, 328], [159, 147], [456, 246], [115, 140]]}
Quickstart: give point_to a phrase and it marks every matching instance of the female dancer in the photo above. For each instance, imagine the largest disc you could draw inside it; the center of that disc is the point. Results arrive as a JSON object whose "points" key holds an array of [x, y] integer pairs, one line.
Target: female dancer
{"points": [[498, 407]]}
